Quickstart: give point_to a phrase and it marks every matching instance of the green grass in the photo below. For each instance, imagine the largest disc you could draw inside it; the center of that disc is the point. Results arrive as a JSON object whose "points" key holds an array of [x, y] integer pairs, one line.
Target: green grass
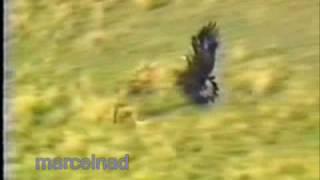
{"points": [[76, 62]]}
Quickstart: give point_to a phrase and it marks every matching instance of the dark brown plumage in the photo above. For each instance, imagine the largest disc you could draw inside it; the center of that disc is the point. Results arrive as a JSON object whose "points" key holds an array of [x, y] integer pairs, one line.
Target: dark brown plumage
{"points": [[196, 81]]}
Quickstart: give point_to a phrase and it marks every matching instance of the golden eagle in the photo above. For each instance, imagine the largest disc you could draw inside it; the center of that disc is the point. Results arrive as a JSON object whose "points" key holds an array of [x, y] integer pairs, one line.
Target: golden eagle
{"points": [[196, 80]]}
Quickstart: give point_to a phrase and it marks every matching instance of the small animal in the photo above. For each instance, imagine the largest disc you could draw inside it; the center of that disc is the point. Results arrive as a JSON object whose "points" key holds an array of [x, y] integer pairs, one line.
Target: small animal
{"points": [[196, 80]]}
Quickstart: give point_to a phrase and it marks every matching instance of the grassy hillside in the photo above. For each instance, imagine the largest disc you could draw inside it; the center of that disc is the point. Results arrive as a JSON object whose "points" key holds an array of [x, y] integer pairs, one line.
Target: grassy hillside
{"points": [[77, 62]]}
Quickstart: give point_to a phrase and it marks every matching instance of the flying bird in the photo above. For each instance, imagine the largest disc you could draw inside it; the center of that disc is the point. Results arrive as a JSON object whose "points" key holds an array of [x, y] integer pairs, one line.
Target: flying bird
{"points": [[196, 80]]}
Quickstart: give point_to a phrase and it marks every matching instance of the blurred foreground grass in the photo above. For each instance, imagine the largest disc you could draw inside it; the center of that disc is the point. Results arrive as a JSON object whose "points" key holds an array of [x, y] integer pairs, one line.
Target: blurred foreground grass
{"points": [[76, 61]]}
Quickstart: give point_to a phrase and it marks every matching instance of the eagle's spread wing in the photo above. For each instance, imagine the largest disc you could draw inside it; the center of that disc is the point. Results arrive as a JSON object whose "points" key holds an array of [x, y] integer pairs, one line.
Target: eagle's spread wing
{"points": [[204, 45]]}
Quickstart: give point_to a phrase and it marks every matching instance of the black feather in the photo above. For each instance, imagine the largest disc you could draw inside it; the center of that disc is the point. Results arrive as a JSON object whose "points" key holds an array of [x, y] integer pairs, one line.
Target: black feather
{"points": [[200, 66]]}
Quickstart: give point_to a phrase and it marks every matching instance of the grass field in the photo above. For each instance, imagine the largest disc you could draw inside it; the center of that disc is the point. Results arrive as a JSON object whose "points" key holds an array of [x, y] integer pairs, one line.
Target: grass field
{"points": [[76, 62]]}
